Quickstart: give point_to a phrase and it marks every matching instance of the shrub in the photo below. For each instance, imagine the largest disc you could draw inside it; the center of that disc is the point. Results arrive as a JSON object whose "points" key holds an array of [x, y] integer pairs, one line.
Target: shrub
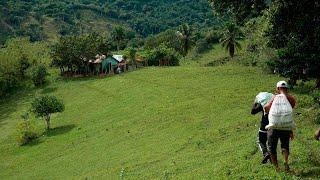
{"points": [[8, 80], [316, 97], [38, 75], [23, 65], [317, 119], [26, 131], [44, 106], [161, 53], [202, 46]]}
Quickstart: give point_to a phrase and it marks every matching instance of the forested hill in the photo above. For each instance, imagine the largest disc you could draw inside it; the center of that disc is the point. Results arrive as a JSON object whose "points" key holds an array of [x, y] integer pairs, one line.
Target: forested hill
{"points": [[42, 19]]}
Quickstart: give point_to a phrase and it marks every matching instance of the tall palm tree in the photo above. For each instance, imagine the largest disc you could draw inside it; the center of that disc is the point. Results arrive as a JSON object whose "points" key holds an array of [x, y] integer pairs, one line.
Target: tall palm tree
{"points": [[118, 35], [185, 35], [230, 39]]}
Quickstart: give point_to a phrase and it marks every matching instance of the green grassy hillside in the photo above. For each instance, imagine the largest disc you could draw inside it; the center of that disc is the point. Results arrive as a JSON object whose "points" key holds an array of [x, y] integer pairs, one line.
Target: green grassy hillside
{"points": [[185, 122]]}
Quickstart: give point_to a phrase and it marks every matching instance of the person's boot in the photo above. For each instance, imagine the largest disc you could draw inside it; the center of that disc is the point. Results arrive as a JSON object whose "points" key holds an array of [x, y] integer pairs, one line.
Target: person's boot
{"points": [[286, 167], [265, 159]]}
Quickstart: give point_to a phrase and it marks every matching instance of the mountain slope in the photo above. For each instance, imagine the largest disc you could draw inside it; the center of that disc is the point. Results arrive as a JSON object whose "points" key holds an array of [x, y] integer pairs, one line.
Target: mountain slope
{"points": [[29, 18]]}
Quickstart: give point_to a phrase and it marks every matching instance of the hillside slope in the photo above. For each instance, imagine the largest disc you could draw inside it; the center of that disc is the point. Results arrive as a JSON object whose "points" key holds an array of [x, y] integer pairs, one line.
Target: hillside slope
{"points": [[184, 122], [31, 18]]}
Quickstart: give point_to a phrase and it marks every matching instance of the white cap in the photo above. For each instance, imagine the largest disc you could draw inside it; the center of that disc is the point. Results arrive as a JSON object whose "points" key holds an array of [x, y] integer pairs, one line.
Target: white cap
{"points": [[282, 84]]}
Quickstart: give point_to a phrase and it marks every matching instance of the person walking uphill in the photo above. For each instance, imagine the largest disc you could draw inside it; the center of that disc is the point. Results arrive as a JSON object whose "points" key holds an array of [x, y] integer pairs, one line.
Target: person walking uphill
{"points": [[280, 123], [261, 100]]}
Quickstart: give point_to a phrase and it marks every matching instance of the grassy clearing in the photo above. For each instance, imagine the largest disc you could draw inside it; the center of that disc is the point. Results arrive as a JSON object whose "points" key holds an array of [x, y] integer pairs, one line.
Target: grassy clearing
{"points": [[185, 122]]}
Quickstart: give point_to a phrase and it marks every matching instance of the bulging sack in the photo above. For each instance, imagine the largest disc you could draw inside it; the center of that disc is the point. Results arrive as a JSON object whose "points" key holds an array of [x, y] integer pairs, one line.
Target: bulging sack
{"points": [[263, 98], [280, 114]]}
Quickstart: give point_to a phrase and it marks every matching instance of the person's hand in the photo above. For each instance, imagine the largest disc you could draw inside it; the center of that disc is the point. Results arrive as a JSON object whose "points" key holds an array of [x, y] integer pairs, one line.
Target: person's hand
{"points": [[291, 136]]}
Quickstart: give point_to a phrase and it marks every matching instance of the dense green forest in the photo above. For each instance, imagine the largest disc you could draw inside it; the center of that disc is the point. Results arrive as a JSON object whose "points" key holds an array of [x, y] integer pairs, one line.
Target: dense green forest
{"points": [[43, 19]]}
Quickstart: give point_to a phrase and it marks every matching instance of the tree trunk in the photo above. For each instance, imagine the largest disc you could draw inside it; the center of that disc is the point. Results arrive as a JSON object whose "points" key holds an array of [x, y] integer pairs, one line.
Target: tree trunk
{"points": [[318, 83], [185, 47], [231, 50], [48, 122], [118, 46]]}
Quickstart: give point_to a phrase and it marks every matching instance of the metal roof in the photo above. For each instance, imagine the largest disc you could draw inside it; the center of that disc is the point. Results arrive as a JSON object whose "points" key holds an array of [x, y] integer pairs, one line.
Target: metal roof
{"points": [[119, 58]]}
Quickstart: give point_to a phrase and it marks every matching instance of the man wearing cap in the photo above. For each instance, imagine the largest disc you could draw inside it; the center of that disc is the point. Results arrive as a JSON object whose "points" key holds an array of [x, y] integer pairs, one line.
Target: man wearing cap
{"points": [[274, 133]]}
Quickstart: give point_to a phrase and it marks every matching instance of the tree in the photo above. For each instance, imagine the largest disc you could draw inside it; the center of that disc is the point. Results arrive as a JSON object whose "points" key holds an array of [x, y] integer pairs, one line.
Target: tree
{"points": [[23, 65], [297, 38], [132, 55], [38, 75], [118, 35], [46, 105], [76, 51], [185, 36], [241, 10], [229, 40]]}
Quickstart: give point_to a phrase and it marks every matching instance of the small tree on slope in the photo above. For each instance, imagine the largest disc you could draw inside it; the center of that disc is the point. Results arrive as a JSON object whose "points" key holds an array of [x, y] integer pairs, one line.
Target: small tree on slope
{"points": [[44, 106]]}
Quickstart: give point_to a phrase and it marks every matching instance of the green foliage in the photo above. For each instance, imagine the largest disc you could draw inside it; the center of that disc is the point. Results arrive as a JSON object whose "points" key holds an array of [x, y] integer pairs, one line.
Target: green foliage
{"points": [[205, 42], [256, 51], [241, 10], [185, 35], [43, 19], [26, 131], [230, 38], [132, 55], [168, 38], [8, 79], [316, 97], [118, 35], [23, 65], [16, 57], [75, 51], [46, 105], [38, 74], [163, 53], [296, 36]]}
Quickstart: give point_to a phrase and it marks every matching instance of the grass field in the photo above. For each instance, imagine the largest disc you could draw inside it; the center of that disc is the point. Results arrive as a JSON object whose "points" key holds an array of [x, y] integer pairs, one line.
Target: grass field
{"points": [[186, 122]]}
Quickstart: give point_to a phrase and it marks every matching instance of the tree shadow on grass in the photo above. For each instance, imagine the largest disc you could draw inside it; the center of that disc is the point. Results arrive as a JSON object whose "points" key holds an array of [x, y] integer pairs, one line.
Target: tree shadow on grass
{"points": [[34, 142], [59, 130]]}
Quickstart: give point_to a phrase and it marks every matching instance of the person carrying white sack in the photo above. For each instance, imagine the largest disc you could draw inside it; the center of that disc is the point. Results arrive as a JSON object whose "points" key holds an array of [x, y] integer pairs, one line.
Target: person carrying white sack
{"points": [[260, 101], [280, 123]]}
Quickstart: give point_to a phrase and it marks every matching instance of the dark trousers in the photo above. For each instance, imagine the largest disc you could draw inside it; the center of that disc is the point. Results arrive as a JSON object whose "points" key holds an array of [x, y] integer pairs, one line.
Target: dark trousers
{"points": [[273, 137], [262, 142]]}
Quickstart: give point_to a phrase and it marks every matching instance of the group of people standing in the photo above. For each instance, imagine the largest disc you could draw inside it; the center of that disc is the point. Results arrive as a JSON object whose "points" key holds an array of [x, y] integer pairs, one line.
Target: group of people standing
{"points": [[276, 123]]}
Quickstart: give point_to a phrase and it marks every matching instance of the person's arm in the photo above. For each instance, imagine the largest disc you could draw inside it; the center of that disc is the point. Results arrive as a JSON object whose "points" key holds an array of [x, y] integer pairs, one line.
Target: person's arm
{"points": [[256, 108], [268, 105], [292, 101], [292, 135]]}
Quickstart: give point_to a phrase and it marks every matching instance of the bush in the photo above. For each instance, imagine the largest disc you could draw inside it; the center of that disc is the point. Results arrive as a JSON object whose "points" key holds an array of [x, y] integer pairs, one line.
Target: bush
{"points": [[317, 119], [44, 106], [23, 65], [8, 80], [202, 46], [161, 53], [26, 131], [38, 75], [316, 97]]}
